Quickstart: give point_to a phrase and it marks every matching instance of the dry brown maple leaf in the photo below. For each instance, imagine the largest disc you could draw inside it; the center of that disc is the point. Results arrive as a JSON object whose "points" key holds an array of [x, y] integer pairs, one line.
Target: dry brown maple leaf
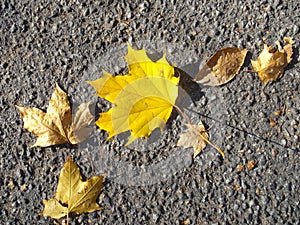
{"points": [[190, 138], [73, 195], [222, 66], [271, 62], [57, 126]]}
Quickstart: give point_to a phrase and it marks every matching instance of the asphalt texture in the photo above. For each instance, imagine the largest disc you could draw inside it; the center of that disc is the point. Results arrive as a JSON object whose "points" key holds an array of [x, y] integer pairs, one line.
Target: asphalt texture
{"points": [[43, 42]]}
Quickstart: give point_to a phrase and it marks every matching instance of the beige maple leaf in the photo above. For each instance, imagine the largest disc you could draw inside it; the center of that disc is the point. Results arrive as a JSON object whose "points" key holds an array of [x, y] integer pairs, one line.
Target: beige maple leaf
{"points": [[189, 138], [57, 126]]}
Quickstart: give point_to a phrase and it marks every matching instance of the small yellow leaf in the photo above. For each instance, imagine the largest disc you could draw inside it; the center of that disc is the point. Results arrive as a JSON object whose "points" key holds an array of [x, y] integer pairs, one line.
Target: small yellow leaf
{"points": [[73, 195], [190, 138], [56, 126], [142, 100], [222, 66], [271, 62]]}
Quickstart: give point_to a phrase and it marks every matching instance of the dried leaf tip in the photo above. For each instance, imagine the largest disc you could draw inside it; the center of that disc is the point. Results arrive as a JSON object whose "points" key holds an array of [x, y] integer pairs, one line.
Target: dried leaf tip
{"points": [[288, 40]]}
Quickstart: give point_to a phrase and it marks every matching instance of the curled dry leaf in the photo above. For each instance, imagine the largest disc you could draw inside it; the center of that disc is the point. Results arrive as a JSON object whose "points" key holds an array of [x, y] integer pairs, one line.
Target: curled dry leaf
{"points": [[73, 195], [56, 126], [142, 100], [222, 66], [271, 62], [189, 138]]}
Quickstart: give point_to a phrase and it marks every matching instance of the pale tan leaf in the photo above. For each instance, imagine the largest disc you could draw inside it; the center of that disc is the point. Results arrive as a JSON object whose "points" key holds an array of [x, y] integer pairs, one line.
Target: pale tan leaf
{"points": [[190, 138], [221, 67]]}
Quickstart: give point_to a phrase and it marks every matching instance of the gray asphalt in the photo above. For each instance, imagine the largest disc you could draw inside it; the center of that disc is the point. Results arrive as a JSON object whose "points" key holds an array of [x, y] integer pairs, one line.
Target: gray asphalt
{"points": [[154, 182]]}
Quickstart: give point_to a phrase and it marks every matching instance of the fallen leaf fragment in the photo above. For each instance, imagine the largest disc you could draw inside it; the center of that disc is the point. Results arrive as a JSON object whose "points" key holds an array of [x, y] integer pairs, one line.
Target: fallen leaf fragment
{"points": [[272, 123], [56, 126], [280, 112], [250, 165], [257, 191], [237, 187], [186, 222], [11, 183], [73, 196], [240, 168], [189, 138], [24, 187], [271, 62], [277, 113], [222, 66], [142, 100]]}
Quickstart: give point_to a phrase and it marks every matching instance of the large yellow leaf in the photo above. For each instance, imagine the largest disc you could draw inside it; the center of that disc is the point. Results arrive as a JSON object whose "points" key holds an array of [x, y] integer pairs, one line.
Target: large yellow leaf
{"points": [[56, 126], [271, 62], [142, 100], [73, 195]]}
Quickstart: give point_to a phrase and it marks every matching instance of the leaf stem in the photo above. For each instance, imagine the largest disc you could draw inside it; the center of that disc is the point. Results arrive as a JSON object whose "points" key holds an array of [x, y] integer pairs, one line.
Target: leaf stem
{"points": [[197, 131]]}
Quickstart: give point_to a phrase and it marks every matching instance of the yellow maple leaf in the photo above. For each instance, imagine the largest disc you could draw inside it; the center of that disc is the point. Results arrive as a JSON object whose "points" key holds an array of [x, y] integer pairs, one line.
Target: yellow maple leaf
{"points": [[57, 126], [271, 62], [142, 100], [73, 195]]}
